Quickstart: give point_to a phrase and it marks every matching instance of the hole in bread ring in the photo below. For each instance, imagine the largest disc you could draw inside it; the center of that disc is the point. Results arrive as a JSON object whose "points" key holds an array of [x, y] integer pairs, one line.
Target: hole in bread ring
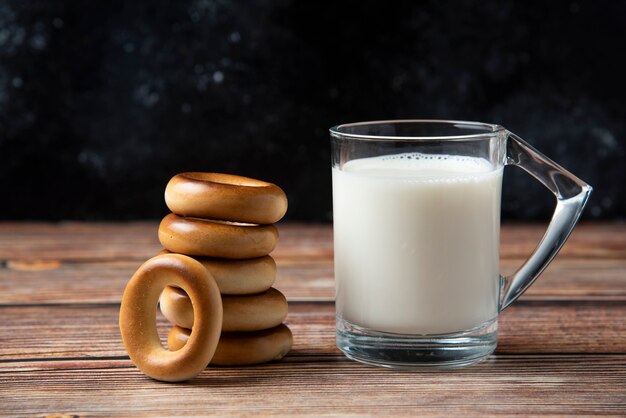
{"points": [[138, 313], [226, 197]]}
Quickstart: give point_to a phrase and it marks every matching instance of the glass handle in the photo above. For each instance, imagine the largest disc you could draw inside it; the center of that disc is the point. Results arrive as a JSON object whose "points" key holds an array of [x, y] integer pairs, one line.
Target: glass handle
{"points": [[571, 196]]}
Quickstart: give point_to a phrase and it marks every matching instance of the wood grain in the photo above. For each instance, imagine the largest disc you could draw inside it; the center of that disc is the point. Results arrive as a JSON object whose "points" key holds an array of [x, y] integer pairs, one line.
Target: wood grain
{"points": [[78, 241], [562, 346], [331, 385], [66, 331], [138, 241], [300, 280]]}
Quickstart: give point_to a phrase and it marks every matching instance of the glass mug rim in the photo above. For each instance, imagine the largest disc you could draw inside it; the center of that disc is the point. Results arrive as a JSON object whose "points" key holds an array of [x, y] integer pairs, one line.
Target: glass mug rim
{"points": [[489, 130]]}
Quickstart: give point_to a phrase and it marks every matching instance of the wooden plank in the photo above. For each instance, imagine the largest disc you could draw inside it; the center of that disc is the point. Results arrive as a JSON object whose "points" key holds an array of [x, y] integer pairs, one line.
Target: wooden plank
{"points": [[23, 282], [576, 279], [589, 240], [77, 240], [66, 331], [138, 241], [506, 385], [64, 282], [562, 346]]}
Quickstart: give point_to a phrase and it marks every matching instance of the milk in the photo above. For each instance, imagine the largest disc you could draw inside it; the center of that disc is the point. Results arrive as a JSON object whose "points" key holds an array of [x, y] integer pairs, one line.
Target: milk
{"points": [[416, 242]]}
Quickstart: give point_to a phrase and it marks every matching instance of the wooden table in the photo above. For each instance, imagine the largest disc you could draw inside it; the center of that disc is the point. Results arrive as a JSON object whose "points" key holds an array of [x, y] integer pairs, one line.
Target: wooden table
{"points": [[562, 346]]}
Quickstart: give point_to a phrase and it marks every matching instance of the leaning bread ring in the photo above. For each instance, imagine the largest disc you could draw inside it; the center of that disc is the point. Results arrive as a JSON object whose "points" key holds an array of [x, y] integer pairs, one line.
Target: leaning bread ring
{"points": [[201, 237], [240, 277], [138, 313], [242, 348], [225, 197], [241, 313]]}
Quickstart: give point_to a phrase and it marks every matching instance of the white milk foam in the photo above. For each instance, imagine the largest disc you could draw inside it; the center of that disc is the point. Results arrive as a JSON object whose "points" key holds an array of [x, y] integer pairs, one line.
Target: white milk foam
{"points": [[416, 242]]}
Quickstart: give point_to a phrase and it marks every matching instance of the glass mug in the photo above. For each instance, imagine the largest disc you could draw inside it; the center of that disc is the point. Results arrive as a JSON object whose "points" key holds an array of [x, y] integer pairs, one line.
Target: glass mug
{"points": [[416, 207]]}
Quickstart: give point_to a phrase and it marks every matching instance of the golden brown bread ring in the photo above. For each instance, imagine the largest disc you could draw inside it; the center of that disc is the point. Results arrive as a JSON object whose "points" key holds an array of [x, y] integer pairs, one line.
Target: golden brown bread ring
{"points": [[241, 313], [241, 348], [193, 236], [240, 277], [226, 197], [138, 317]]}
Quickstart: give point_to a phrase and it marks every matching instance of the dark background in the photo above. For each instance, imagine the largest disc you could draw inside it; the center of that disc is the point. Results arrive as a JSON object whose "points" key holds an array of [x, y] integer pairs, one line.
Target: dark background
{"points": [[101, 102]]}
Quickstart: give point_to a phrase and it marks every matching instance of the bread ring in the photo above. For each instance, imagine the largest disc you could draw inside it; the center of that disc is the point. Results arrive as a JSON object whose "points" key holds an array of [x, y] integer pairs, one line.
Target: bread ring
{"points": [[226, 197], [193, 236], [254, 312], [242, 348], [241, 313], [240, 277], [138, 317]]}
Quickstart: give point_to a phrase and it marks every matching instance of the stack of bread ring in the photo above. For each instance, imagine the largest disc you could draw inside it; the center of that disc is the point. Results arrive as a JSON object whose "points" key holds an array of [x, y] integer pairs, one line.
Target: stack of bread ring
{"points": [[215, 272]]}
